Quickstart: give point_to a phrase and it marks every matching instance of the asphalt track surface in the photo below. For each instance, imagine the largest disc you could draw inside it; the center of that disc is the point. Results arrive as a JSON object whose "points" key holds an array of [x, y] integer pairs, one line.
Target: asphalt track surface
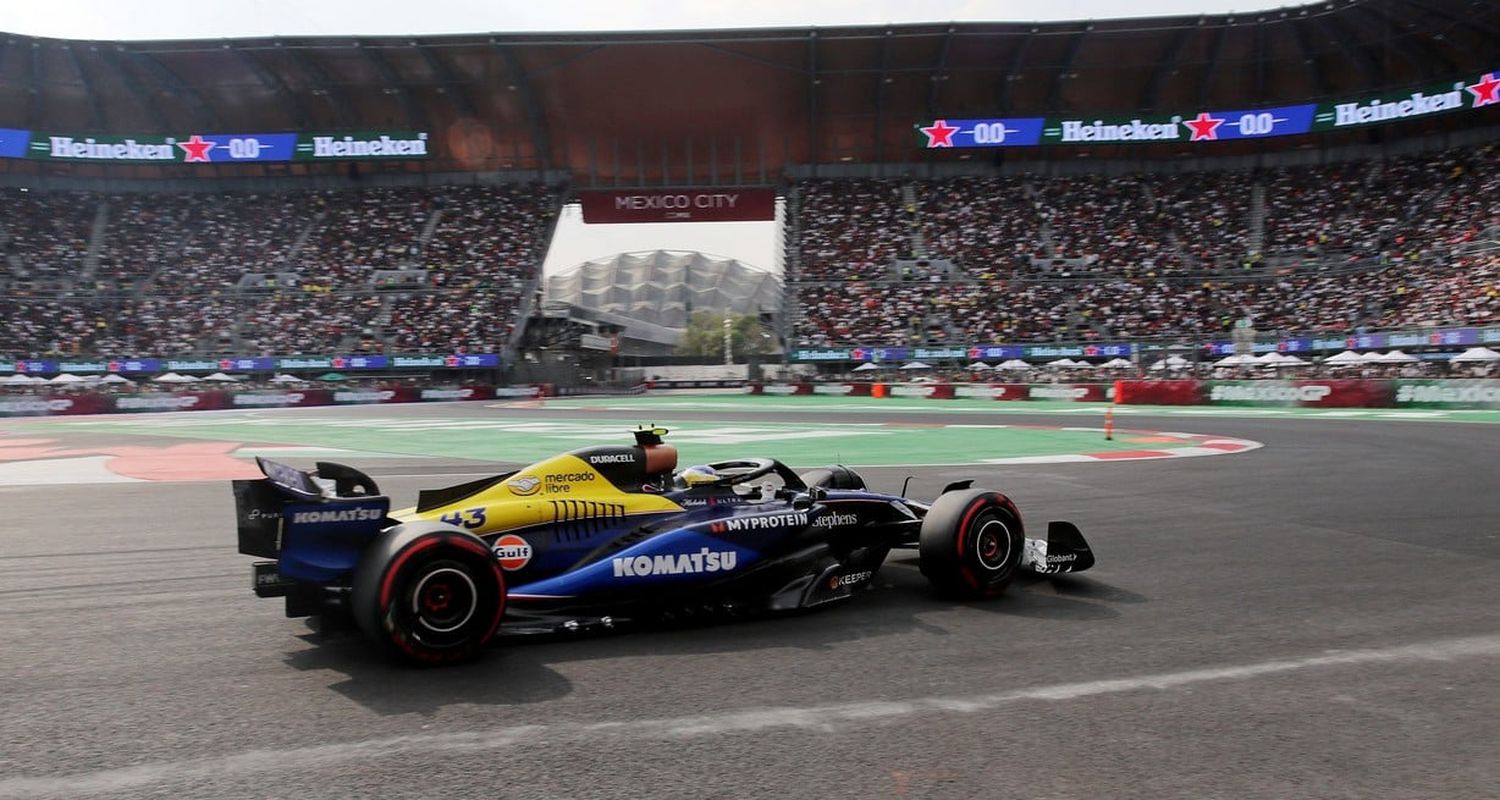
{"points": [[1316, 618]]}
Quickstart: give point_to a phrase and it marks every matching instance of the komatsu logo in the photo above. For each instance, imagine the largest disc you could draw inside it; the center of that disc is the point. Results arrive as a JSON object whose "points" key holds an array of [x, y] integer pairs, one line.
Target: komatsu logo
{"points": [[760, 523], [705, 560], [337, 515]]}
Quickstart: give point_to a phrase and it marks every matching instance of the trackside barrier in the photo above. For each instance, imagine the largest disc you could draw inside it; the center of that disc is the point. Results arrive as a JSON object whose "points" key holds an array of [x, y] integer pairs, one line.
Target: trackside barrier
{"points": [[90, 403], [1311, 393]]}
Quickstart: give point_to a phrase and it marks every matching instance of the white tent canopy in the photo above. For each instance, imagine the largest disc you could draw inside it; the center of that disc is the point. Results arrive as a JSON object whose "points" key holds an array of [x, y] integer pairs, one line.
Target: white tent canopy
{"points": [[1371, 357], [1014, 363], [112, 378], [172, 377], [1171, 362], [1291, 361], [1234, 361], [220, 377], [916, 365], [1117, 363], [1398, 357], [67, 378], [20, 380], [980, 366], [1476, 355], [868, 366], [1268, 359], [1062, 362], [1346, 357], [285, 378]]}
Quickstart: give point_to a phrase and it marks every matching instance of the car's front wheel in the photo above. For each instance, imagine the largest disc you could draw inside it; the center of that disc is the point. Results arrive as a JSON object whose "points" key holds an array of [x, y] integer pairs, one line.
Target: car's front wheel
{"points": [[429, 594], [971, 543]]}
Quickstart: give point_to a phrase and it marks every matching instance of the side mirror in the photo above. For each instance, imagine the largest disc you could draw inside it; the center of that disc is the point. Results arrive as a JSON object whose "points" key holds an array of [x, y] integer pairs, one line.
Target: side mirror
{"points": [[805, 500]]}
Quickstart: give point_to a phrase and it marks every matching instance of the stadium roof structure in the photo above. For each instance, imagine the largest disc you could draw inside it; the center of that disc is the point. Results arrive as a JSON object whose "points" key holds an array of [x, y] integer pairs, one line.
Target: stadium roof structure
{"points": [[731, 106], [665, 287]]}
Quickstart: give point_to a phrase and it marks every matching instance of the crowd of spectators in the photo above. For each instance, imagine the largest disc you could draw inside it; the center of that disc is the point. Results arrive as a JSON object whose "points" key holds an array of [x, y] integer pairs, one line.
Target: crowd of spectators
{"points": [[1363, 245], [44, 238], [171, 269], [851, 229]]}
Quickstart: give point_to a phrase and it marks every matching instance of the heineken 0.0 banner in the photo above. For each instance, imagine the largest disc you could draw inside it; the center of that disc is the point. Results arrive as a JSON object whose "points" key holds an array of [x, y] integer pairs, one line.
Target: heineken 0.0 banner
{"points": [[1473, 92], [215, 148]]}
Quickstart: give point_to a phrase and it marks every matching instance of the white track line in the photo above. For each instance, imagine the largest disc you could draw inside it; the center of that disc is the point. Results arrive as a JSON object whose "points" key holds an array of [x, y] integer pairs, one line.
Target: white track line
{"points": [[828, 718]]}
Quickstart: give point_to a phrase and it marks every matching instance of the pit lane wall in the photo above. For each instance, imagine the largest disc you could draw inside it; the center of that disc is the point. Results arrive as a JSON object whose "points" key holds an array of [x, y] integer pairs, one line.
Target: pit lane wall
{"points": [[50, 404], [1311, 393]]}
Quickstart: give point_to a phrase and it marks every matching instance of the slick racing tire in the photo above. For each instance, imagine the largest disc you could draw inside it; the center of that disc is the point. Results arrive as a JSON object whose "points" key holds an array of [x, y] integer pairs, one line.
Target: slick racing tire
{"points": [[971, 544], [428, 593]]}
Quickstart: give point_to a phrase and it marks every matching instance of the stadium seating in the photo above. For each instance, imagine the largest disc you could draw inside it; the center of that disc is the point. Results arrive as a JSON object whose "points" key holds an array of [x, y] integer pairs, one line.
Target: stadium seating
{"points": [[1403, 242], [1366, 245], [179, 274]]}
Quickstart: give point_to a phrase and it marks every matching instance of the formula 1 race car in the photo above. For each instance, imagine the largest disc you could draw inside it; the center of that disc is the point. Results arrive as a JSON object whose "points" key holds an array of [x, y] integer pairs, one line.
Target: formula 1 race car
{"points": [[602, 536]]}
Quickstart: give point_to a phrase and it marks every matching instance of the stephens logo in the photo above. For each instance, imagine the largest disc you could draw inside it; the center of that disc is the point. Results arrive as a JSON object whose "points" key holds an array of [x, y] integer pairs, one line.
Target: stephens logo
{"points": [[703, 561], [836, 520], [512, 552], [760, 523], [524, 486]]}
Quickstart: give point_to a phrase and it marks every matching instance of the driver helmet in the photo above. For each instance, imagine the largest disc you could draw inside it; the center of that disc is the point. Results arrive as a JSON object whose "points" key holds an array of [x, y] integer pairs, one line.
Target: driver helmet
{"points": [[698, 475]]}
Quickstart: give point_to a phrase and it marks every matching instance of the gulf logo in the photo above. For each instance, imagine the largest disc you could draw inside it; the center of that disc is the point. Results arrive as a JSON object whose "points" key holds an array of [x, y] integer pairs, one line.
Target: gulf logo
{"points": [[512, 552]]}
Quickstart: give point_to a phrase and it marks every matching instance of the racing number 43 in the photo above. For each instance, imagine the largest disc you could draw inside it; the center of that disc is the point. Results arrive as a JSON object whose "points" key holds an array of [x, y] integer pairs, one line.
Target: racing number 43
{"points": [[468, 518]]}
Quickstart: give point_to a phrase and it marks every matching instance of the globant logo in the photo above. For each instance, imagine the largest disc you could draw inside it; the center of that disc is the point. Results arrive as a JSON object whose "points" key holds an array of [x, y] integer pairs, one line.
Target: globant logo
{"points": [[1270, 394], [363, 397], [1049, 393], [282, 399], [34, 406], [447, 394], [155, 403]]}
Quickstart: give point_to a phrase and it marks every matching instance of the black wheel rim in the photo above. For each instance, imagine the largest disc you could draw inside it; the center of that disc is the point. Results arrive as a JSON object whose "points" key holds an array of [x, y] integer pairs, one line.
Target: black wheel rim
{"points": [[992, 543], [443, 599]]}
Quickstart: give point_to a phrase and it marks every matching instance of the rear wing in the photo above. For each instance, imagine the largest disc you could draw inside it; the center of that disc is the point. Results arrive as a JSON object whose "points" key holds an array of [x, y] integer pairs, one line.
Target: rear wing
{"points": [[290, 507]]}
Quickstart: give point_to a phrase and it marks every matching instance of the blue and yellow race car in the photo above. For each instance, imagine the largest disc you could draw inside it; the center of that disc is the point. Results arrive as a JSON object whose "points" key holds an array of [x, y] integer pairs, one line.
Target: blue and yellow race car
{"points": [[604, 536]]}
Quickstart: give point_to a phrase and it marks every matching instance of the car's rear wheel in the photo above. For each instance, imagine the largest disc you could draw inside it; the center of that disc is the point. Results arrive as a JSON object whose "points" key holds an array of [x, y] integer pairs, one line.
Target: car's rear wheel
{"points": [[971, 544], [429, 594]]}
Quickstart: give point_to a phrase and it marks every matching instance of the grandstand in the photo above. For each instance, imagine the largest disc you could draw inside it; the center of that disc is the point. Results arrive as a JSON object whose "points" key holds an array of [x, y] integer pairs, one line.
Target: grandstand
{"points": [[427, 235]]}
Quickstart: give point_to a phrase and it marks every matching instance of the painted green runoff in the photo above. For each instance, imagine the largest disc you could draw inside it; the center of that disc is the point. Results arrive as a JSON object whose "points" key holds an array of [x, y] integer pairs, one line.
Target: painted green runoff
{"points": [[1088, 413], [530, 438]]}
